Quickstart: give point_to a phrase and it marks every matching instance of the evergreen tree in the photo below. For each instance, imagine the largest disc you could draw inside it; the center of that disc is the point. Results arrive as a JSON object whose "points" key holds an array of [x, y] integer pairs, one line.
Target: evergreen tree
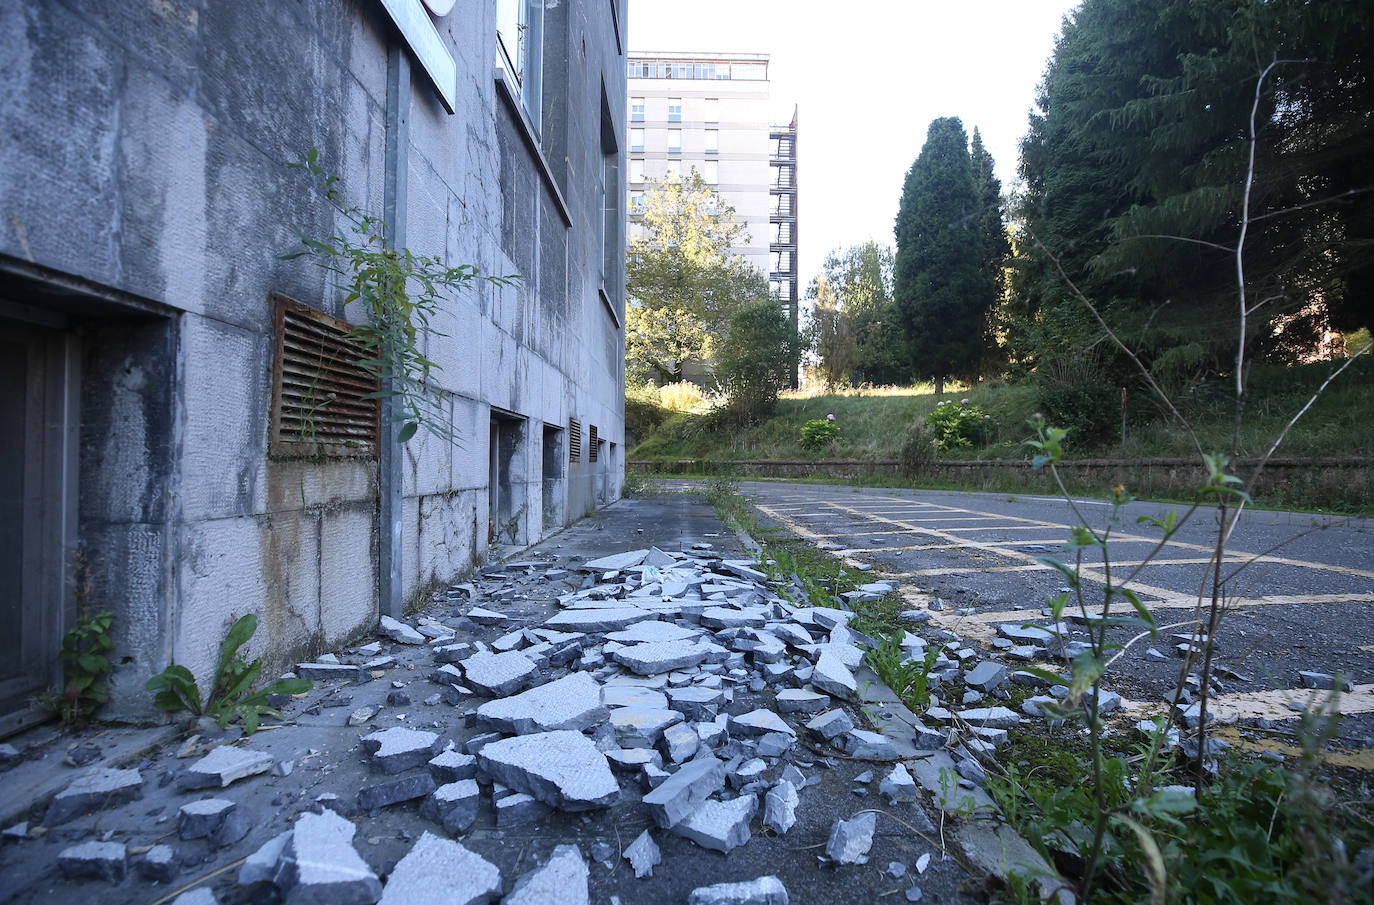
{"points": [[942, 290], [992, 229]]}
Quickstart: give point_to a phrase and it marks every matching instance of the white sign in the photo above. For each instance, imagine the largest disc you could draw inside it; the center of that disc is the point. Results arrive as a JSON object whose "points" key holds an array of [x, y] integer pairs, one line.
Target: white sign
{"points": [[424, 41]]}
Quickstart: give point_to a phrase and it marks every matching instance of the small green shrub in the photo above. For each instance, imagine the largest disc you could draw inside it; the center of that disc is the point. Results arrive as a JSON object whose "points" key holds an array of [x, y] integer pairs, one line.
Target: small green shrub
{"points": [[907, 678], [85, 656], [918, 449], [959, 424], [818, 433], [231, 697], [1075, 394]]}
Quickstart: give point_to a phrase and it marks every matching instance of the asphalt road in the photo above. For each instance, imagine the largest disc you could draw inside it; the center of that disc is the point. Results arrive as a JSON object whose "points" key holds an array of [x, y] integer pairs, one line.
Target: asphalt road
{"points": [[1300, 594]]}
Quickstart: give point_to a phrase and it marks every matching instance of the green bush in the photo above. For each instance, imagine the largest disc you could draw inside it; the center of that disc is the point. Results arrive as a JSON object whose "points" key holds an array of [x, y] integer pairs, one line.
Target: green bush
{"points": [[918, 449], [959, 424], [757, 358], [818, 433], [1079, 395]]}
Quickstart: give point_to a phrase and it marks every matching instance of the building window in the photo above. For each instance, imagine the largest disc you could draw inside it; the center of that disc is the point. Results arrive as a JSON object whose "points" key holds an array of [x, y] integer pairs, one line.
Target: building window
{"points": [[323, 402], [637, 141], [610, 212], [674, 109], [636, 109], [710, 109], [636, 171], [592, 445], [682, 70], [637, 202], [520, 49], [711, 171], [712, 141], [574, 440], [638, 70], [749, 71], [673, 171], [674, 141]]}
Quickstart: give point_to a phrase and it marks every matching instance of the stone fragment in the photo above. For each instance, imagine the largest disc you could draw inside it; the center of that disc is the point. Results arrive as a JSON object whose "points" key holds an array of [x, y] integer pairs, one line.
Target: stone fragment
{"points": [[622, 695], [759, 722], [217, 819], [1321, 680], [970, 769], [763, 891], [850, 840], [201, 895], [94, 791], [518, 808], [499, 675], [561, 880], [398, 631], [833, 677], [632, 760], [563, 769], [696, 703], [438, 871], [638, 727], [720, 617], [775, 744], [831, 724], [224, 766], [986, 676], [260, 866], [454, 805], [616, 562], [394, 791], [643, 855], [319, 866], [800, 700], [452, 653], [679, 742], [399, 748], [658, 657], [325, 671], [995, 717], [94, 861], [719, 825], [452, 766], [898, 785], [742, 568], [683, 792], [656, 631], [867, 745], [159, 864], [483, 616], [780, 807], [604, 619], [572, 702]]}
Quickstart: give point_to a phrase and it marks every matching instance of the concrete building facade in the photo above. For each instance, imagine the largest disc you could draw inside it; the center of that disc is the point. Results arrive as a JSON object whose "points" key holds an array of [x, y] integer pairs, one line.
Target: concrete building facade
{"points": [[160, 356]]}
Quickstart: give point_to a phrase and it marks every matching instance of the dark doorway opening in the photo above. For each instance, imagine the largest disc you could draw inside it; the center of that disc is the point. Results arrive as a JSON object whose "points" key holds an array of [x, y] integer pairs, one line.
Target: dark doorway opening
{"points": [[554, 488]]}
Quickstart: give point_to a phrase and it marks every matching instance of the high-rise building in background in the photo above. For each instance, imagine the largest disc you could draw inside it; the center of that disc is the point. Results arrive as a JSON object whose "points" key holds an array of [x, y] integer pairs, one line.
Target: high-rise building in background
{"points": [[710, 113]]}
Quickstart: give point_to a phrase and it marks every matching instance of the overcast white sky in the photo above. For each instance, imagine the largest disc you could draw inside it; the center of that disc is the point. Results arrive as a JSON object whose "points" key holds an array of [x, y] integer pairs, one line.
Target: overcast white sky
{"points": [[869, 76]]}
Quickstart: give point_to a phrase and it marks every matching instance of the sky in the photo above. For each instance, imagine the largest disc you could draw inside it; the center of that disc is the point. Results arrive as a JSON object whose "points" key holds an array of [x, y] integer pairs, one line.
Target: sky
{"points": [[868, 76]]}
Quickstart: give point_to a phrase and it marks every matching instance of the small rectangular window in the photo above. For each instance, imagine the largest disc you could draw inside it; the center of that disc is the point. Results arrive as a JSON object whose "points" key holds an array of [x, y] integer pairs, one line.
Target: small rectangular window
{"points": [[674, 109], [674, 141], [636, 202], [591, 444], [637, 141], [711, 171], [636, 109], [636, 171], [710, 109], [574, 440], [712, 141]]}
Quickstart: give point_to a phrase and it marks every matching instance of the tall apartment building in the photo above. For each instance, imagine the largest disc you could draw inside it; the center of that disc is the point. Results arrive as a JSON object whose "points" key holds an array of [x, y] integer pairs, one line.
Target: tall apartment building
{"points": [[710, 112]]}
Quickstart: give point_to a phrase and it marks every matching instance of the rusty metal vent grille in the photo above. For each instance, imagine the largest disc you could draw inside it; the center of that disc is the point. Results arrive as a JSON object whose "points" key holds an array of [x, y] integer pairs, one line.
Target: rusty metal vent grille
{"points": [[591, 452], [318, 389], [574, 440]]}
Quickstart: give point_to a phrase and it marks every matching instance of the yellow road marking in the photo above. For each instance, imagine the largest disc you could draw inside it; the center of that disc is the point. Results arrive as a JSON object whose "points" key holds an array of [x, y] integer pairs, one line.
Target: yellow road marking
{"points": [[1271, 704]]}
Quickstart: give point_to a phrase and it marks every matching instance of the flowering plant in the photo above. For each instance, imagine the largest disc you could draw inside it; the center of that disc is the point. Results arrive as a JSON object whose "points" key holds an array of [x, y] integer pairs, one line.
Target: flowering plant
{"points": [[959, 424]]}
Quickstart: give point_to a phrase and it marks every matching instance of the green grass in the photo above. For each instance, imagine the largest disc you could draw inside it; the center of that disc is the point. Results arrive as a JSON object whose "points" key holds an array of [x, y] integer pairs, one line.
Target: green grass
{"points": [[873, 422]]}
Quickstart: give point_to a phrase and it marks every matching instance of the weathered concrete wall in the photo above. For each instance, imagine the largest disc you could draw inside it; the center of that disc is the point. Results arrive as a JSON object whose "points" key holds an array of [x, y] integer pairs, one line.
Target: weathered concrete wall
{"points": [[144, 151]]}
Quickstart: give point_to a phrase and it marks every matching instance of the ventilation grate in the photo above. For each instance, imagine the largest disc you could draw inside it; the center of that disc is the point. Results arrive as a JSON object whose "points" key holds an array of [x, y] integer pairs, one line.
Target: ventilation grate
{"points": [[591, 452], [574, 440], [318, 389]]}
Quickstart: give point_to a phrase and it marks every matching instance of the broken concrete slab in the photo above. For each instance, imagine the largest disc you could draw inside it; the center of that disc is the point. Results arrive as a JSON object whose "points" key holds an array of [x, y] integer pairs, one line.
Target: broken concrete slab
{"points": [[763, 891], [400, 748], [452, 766], [483, 616], [261, 866], [986, 676], [94, 861], [224, 766], [159, 864], [683, 792], [398, 631], [621, 695], [658, 657], [994, 717], [572, 702], [850, 840], [696, 702], [561, 880], [201, 895], [217, 819], [438, 871], [99, 789], [757, 723], [679, 742], [801, 700], [641, 727], [518, 808], [499, 675], [899, 785], [644, 855], [867, 745], [833, 677], [453, 805], [719, 825], [604, 619], [719, 617], [319, 866], [831, 724], [780, 807], [563, 769], [616, 562], [394, 791], [650, 632]]}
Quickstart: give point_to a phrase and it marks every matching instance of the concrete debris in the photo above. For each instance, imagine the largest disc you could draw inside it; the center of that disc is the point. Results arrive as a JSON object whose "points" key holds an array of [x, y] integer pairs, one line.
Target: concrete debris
{"points": [[640, 727], [617, 562], [319, 866], [398, 631], [643, 855], [453, 805], [572, 702], [598, 620], [695, 702], [898, 785], [561, 880], [399, 749], [325, 671], [217, 819], [800, 700], [683, 792], [850, 840], [483, 616], [833, 677], [679, 742], [94, 861], [452, 766], [759, 722], [652, 632], [394, 791], [439, 871], [995, 717], [780, 807], [763, 891], [159, 864], [657, 657], [94, 791], [201, 895], [1322, 680], [261, 866], [831, 724], [519, 808], [499, 675], [866, 745], [563, 769], [719, 825], [224, 766], [986, 676]]}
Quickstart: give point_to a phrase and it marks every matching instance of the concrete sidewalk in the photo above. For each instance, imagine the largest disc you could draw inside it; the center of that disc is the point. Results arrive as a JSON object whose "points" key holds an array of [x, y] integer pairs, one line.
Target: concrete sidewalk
{"points": [[659, 702]]}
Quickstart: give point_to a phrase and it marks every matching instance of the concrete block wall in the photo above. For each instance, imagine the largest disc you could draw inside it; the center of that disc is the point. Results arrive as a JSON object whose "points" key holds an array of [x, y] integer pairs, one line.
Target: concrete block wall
{"points": [[144, 158]]}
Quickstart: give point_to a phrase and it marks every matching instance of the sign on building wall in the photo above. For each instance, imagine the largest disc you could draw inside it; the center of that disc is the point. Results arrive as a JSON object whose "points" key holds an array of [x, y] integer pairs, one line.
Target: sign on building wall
{"points": [[424, 41]]}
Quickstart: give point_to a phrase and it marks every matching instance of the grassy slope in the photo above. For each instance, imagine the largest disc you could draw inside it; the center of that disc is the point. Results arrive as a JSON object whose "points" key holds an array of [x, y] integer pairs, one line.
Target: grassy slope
{"points": [[873, 422]]}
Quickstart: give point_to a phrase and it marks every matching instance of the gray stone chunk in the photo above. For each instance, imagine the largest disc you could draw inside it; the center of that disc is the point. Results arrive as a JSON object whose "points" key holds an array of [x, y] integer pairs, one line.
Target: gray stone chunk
{"points": [[632, 760], [201, 895], [260, 866], [616, 562], [926, 739], [658, 657], [679, 742], [719, 617], [325, 671], [986, 676], [563, 769], [649, 632], [217, 819], [606, 619], [993, 717], [454, 805], [833, 677], [395, 791], [224, 766], [643, 855], [572, 702], [763, 891], [498, 675], [620, 695], [719, 825], [898, 785], [831, 724], [319, 866], [94, 861], [561, 880], [452, 766], [399, 748], [94, 791], [518, 808], [438, 871], [639, 727], [1321, 680], [483, 616], [759, 722], [159, 864], [398, 631], [697, 703], [868, 745], [850, 840], [780, 807], [683, 792], [801, 700]]}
